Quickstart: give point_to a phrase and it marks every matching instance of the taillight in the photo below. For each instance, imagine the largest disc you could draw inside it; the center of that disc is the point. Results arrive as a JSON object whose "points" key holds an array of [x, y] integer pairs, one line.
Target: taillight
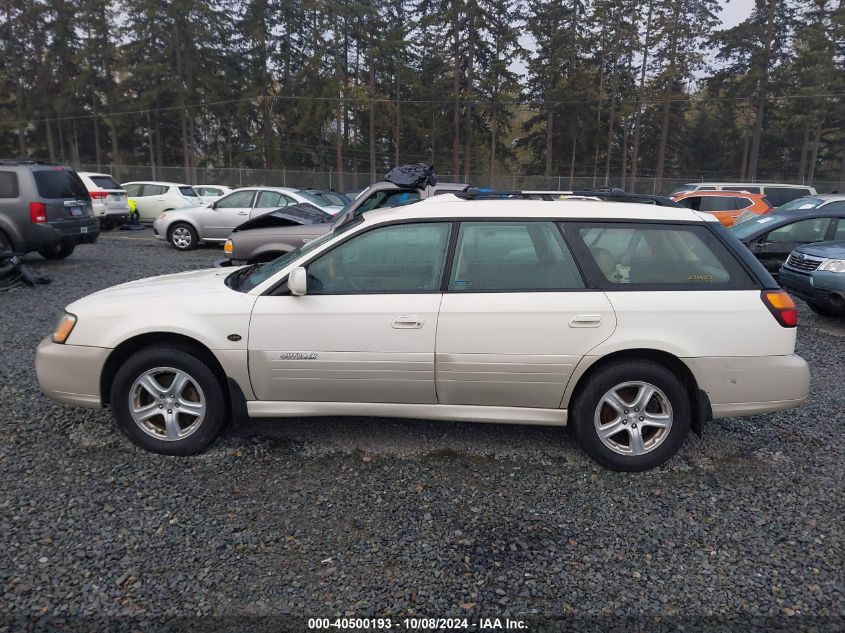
{"points": [[37, 212], [782, 307], [98, 195]]}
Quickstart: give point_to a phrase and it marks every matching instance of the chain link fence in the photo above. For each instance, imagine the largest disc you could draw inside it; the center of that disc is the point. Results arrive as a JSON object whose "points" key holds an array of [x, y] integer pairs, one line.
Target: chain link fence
{"points": [[353, 181]]}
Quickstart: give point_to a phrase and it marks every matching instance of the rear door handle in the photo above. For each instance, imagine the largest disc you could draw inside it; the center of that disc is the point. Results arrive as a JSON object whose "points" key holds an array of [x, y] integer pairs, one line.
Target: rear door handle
{"points": [[408, 322], [242, 213], [585, 320]]}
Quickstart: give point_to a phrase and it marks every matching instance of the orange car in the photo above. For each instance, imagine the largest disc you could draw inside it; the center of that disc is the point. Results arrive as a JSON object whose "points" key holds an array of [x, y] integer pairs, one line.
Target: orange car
{"points": [[725, 205]]}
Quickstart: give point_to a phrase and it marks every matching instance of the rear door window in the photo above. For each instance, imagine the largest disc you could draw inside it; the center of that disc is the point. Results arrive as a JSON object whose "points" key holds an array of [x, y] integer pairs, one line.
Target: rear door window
{"points": [[810, 230], [270, 200], [59, 183], [132, 190], [839, 236], [512, 257], [152, 190], [8, 184], [105, 182], [654, 256]]}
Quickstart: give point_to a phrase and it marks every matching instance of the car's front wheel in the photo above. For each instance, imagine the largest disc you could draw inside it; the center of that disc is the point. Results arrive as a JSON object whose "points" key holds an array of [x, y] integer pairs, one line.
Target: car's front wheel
{"points": [[183, 236], [826, 309], [632, 415], [168, 401]]}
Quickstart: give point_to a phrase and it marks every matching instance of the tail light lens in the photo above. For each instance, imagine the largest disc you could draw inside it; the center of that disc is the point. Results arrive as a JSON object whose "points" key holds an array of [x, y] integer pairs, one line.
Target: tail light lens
{"points": [[782, 307], [98, 195], [37, 212]]}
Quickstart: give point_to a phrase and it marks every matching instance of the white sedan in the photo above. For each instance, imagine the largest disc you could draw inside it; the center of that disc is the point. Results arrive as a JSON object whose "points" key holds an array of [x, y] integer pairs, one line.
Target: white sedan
{"points": [[184, 229]]}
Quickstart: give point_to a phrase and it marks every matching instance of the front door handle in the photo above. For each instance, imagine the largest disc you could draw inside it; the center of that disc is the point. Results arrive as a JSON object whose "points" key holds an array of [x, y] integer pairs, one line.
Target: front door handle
{"points": [[242, 213], [408, 322], [585, 320]]}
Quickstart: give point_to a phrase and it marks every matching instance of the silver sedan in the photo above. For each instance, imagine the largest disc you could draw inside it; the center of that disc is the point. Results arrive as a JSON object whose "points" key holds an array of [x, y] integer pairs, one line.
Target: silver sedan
{"points": [[188, 227]]}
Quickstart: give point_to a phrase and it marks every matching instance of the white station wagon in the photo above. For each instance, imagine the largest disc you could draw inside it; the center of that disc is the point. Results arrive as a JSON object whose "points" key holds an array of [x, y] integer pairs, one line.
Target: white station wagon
{"points": [[633, 323]]}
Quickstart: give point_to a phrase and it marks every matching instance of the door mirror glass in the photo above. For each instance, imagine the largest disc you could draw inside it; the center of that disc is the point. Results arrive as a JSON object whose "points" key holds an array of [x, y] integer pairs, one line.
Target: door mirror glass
{"points": [[297, 281]]}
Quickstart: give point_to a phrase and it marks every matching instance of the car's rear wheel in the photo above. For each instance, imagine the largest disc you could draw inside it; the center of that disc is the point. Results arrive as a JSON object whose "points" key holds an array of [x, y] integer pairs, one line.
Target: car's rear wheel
{"points": [[183, 236], [106, 224], [632, 415], [60, 251], [5, 244], [822, 309], [168, 401]]}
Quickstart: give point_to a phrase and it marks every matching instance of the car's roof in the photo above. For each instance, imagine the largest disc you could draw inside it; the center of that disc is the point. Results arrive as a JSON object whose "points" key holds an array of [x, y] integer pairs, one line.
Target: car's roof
{"points": [[155, 182], [722, 183], [99, 174], [450, 206], [209, 185], [829, 197], [721, 194]]}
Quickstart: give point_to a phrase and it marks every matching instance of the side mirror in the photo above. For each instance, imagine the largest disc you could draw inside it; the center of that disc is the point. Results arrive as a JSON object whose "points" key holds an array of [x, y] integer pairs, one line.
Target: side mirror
{"points": [[298, 282], [213, 204]]}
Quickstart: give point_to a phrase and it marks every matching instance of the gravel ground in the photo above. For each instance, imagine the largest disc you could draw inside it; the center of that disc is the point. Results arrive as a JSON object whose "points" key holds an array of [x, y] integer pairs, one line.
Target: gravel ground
{"points": [[330, 517]]}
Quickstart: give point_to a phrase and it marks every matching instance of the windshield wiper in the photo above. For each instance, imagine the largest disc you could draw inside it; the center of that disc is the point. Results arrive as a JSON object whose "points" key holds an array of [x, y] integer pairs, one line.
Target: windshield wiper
{"points": [[237, 278]]}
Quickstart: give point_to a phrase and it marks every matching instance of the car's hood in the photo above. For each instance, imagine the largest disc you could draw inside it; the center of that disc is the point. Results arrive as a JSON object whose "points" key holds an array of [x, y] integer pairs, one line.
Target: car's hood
{"points": [[181, 285], [829, 250]]}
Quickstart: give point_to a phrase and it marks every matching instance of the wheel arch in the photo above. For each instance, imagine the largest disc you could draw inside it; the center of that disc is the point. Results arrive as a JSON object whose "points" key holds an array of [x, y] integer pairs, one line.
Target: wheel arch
{"points": [[122, 352], [590, 366]]}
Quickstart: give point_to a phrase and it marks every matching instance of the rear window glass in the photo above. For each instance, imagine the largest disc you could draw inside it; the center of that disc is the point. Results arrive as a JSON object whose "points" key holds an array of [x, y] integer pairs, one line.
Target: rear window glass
{"points": [[188, 192], [781, 195], [8, 184], [660, 255], [105, 182], [59, 183], [800, 203]]}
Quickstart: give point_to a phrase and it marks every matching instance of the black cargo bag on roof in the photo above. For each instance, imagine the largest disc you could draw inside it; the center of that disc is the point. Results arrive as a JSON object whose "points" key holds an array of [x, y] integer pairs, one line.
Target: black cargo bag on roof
{"points": [[415, 176]]}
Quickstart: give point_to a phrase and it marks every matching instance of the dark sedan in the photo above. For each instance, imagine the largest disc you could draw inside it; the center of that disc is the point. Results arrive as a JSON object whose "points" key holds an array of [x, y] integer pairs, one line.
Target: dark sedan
{"points": [[774, 236]]}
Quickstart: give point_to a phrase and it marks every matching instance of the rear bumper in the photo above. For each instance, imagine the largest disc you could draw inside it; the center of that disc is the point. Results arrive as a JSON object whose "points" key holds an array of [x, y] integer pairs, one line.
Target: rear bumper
{"points": [[751, 385], [70, 374], [84, 230]]}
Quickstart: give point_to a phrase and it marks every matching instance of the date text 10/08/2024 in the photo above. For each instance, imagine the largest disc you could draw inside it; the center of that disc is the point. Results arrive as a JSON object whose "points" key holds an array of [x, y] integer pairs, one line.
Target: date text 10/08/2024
{"points": [[418, 623]]}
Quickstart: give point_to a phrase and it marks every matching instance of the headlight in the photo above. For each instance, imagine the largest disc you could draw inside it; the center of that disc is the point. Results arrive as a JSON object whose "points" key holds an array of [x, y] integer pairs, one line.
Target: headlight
{"points": [[63, 328], [833, 266], [161, 216], [228, 247]]}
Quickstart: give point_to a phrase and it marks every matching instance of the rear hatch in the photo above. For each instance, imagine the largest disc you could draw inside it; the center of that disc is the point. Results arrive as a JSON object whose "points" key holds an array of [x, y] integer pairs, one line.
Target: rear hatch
{"points": [[110, 193], [63, 193]]}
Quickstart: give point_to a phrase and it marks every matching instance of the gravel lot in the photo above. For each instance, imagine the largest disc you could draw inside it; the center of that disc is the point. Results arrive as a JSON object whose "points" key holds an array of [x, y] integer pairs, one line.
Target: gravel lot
{"points": [[369, 517]]}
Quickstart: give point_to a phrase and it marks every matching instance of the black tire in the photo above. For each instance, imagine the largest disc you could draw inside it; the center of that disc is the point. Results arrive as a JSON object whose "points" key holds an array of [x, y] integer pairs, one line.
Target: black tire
{"points": [[210, 424], [183, 237], [60, 251], [585, 408], [5, 244], [106, 224], [822, 309]]}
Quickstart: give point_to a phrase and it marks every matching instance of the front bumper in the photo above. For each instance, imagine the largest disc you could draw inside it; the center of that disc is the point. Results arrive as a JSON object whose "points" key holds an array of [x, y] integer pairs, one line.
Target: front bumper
{"points": [[818, 286], [70, 374], [739, 385]]}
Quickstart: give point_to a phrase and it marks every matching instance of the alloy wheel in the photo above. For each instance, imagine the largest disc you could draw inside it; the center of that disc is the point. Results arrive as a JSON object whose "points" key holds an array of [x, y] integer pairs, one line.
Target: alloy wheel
{"points": [[167, 403], [181, 237], [633, 418]]}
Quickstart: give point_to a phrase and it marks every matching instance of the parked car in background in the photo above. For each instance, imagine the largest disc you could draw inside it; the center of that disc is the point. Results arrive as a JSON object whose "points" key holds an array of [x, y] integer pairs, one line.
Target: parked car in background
{"points": [[263, 243], [771, 238], [816, 274], [153, 197], [327, 198], [210, 193], [776, 193], [828, 202], [725, 205], [485, 310], [186, 228], [44, 207], [108, 199]]}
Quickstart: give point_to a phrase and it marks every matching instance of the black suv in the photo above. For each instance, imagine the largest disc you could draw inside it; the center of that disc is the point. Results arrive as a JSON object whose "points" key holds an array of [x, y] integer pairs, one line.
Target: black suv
{"points": [[44, 207]]}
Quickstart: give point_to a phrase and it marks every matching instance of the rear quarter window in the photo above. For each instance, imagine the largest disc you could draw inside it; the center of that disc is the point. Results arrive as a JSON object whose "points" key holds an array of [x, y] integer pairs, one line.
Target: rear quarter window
{"points": [[59, 183], [629, 256], [188, 192], [8, 184]]}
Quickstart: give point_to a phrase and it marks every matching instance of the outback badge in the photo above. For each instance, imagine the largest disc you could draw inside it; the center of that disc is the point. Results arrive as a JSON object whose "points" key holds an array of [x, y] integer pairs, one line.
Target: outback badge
{"points": [[298, 355]]}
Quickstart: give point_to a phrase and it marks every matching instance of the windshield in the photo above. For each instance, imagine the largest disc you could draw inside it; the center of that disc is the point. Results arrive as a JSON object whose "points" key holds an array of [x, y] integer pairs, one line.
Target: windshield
{"points": [[263, 272], [801, 203], [749, 227]]}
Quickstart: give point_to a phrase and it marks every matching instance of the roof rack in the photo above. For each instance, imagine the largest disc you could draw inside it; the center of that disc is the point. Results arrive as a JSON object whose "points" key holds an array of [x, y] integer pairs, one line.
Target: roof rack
{"points": [[604, 193]]}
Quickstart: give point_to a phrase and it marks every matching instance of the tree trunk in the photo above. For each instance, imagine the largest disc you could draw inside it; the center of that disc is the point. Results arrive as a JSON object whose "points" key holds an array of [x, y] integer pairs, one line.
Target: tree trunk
{"points": [[743, 168], [572, 162], [550, 131], [97, 140], [598, 125], [75, 148], [842, 167], [470, 91], [638, 116], [371, 92], [397, 132], [115, 145], [625, 129], [494, 126], [150, 143], [814, 152], [610, 123], [667, 103], [456, 94], [762, 88], [802, 162], [159, 144], [51, 148]]}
